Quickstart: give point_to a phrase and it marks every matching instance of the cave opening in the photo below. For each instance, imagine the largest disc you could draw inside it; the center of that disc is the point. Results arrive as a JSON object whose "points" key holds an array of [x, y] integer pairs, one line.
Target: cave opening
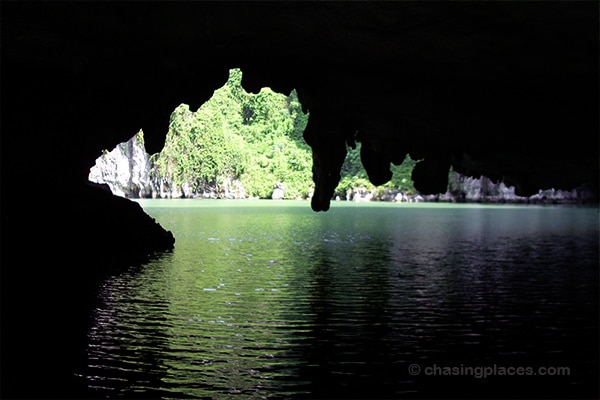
{"points": [[238, 145], [243, 145]]}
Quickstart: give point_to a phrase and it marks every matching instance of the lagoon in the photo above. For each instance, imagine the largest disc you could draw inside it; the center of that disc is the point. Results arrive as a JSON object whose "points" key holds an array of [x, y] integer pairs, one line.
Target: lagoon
{"points": [[267, 299]]}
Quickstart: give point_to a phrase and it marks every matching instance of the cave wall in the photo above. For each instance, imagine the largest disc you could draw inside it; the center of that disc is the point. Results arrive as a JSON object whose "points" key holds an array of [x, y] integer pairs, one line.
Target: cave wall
{"points": [[504, 89], [507, 90]]}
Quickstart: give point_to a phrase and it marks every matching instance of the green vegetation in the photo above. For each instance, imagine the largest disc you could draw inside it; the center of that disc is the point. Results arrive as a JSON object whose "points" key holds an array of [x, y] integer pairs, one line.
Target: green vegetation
{"points": [[255, 139]]}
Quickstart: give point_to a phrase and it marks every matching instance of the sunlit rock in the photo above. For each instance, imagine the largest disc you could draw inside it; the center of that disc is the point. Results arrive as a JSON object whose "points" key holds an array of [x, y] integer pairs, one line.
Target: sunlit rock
{"points": [[278, 192], [125, 169]]}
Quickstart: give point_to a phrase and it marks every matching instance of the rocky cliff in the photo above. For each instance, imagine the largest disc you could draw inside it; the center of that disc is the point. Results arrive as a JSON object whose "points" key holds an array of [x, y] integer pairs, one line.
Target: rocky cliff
{"points": [[129, 172], [463, 188], [126, 169]]}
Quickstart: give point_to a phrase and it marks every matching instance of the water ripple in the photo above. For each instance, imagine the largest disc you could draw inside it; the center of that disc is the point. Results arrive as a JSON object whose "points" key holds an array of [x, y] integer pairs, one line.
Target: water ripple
{"points": [[289, 305]]}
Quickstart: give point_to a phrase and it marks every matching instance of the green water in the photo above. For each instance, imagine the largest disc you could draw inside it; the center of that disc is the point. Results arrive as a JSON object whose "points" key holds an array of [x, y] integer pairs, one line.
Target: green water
{"points": [[269, 299]]}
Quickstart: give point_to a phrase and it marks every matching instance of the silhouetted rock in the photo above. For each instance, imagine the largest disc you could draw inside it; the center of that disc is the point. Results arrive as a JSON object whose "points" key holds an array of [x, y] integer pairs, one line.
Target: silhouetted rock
{"points": [[506, 90]]}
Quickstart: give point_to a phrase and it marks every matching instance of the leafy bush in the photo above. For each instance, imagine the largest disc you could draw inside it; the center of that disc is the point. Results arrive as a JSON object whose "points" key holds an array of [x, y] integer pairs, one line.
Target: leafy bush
{"points": [[254, 138]]}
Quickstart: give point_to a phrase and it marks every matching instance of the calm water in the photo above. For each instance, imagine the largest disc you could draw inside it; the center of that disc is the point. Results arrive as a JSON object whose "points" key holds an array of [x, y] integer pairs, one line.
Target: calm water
{"points": [[269, 299]]}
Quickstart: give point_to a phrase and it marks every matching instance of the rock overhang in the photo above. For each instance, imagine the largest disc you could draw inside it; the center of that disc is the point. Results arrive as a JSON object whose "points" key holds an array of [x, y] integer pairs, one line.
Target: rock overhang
{"points": [[507, 90]]}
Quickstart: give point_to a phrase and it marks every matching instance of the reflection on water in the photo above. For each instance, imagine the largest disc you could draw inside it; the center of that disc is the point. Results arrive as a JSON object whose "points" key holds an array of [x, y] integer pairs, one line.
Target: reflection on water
{"points": [[268, 299]]}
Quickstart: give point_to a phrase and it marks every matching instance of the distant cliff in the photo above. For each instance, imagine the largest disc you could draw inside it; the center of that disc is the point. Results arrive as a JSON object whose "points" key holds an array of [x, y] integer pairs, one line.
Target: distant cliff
{"points": [[126, 169], [129, 172], [463, 188]]}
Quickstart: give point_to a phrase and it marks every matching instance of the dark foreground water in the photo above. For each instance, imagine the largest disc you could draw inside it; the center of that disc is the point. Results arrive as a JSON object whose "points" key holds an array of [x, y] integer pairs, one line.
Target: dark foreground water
{"points": [[268, 299]]}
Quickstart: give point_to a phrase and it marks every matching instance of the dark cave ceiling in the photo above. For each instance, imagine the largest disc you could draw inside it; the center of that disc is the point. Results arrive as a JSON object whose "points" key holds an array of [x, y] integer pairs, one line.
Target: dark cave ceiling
{"points": [[504, 89]]}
